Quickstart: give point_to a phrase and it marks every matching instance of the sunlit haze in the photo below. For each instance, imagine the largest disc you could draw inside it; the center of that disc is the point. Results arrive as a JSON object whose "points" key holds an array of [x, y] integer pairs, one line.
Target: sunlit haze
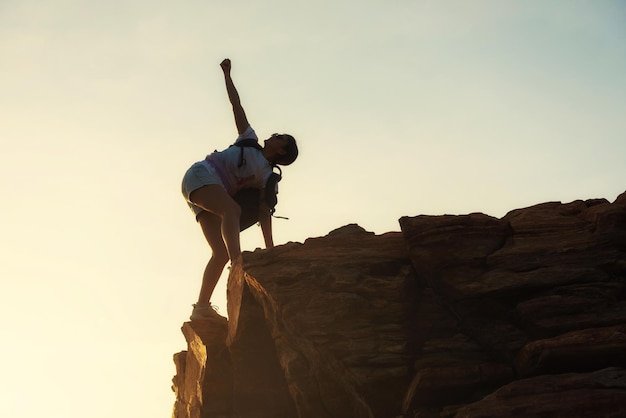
{"points": [[399, 108]]}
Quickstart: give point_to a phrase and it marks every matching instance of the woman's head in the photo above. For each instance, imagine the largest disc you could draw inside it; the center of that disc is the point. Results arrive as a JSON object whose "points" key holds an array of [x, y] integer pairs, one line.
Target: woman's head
{"points": [[285, 148]]}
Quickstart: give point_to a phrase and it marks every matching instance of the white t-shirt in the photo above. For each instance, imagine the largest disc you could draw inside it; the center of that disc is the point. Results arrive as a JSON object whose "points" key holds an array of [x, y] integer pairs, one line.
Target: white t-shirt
{"points": [[253, 173]]}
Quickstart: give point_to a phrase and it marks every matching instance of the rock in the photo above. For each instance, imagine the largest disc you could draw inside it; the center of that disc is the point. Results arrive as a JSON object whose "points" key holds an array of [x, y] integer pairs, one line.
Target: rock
{"points": [[337, 309], [449, 252], [203, 381], [454, 316], [483, 267], [454, 384], [583, 350], [567, 308], [259, 384], [598, 394]]}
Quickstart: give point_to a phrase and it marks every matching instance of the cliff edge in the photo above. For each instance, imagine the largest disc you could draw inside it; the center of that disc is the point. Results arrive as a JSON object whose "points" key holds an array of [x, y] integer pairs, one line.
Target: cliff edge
{"points": [[454, 316]]}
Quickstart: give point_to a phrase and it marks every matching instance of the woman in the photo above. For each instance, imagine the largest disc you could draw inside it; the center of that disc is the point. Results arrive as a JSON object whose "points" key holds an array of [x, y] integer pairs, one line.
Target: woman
{"points": [[209, 187]]}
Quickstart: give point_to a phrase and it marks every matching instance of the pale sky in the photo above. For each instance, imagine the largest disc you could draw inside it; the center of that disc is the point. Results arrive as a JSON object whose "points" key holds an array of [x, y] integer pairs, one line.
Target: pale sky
{"points": [[400, 108]]}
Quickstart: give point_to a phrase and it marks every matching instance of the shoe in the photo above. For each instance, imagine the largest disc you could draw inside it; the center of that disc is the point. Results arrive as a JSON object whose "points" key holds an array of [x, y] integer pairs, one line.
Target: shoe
{"points": [[205, 311]]}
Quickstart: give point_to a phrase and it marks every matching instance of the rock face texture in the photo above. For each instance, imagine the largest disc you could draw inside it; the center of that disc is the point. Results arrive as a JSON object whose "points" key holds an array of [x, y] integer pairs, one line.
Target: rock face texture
{"points": [[454, 316]]}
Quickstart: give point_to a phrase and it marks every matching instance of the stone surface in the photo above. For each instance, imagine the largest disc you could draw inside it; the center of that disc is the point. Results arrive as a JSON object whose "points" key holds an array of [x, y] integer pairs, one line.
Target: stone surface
{"points": [[203, 381], [583, 350], [338, 310], [454, 316], [598, 394]]}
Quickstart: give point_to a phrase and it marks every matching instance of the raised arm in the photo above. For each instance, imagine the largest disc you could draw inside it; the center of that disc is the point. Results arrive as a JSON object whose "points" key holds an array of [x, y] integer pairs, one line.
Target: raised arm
{"points": [[240, 116]]}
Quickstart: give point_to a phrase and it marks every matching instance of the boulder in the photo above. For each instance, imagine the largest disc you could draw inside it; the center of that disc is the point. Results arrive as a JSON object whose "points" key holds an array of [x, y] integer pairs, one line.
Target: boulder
{"points": [[453, 316]]}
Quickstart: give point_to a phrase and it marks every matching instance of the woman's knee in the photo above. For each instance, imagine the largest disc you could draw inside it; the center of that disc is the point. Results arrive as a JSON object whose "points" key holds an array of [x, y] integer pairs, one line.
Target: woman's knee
{"points": [[220, 257]]}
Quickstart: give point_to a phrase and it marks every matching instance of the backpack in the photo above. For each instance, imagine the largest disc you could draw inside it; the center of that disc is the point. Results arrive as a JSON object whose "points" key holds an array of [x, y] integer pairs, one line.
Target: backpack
{"points": [[248, 198]]}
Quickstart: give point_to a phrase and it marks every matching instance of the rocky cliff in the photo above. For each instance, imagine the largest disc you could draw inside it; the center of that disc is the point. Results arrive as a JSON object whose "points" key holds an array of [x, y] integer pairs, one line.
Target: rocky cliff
{"points": [[454, 316]]}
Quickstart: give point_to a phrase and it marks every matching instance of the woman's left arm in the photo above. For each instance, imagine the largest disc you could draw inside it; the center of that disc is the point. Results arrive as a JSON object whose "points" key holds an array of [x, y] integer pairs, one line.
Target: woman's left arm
{"points": [[265, 219]]}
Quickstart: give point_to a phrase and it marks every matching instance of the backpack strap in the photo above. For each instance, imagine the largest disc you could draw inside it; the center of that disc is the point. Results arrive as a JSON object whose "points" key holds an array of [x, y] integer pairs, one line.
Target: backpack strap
{"points": [[270, 188], [248, 200], [248, 142]]}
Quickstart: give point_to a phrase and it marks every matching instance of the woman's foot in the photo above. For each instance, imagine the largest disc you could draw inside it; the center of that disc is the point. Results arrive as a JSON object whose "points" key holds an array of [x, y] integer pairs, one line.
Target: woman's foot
{"points": [[205, 311]]}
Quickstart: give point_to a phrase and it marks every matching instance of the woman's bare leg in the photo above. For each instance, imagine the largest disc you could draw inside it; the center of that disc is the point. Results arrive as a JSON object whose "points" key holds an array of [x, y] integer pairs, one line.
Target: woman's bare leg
{"points": [[211, 227], [221, 230], [213, 198]]}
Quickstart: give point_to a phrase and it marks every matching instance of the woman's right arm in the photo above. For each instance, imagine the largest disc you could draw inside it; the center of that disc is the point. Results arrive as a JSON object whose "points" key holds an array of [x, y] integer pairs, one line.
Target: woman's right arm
{"points": [[265, 219], [240, 116]]}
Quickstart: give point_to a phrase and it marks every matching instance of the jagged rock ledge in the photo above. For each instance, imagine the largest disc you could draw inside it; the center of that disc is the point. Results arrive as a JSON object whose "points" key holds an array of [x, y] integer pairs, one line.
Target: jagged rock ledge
{"points": [[454, 316]]}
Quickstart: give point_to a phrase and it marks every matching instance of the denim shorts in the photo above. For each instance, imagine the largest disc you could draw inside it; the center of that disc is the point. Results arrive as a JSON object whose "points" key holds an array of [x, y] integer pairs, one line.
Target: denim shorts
{"points": [[200, 174]]}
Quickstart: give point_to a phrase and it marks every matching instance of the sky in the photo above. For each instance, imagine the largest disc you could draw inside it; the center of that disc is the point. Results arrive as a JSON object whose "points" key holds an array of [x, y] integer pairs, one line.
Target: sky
{"points": [[400, 108]]}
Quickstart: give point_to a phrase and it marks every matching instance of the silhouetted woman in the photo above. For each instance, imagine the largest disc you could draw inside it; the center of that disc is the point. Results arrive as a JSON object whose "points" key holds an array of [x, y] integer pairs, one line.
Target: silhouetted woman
{"points": [[208, 187]]}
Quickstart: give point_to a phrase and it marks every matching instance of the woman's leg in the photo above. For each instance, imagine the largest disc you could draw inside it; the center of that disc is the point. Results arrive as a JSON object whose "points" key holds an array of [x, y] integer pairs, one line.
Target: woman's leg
{"points": [[211, 227], [213, 198], [220, 225]]}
